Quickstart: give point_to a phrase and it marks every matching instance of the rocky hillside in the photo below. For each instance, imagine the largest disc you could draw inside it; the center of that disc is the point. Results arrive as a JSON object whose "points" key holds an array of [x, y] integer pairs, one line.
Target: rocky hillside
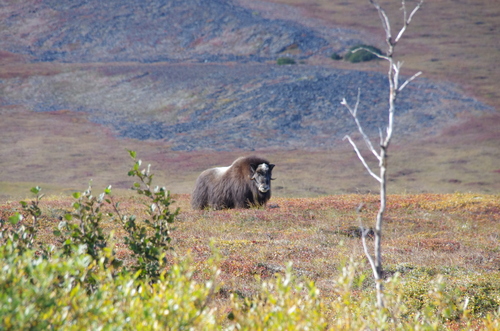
{"points": [[153, 31], [202, 74], [221, 107]]}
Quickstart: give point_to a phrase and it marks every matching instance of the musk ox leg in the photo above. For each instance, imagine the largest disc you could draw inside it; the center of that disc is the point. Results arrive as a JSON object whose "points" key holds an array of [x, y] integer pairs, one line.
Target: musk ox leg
{"points": [[197, 201], [201, 192]]}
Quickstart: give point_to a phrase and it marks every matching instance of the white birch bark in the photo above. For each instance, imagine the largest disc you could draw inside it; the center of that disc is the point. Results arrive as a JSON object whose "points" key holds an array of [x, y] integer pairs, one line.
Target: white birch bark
{"points": [[375, 257]]}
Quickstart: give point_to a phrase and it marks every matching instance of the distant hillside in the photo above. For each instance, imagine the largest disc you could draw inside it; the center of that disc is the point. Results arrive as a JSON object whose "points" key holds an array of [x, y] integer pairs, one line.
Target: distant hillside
{"points": [[152, 31], [221, 107], [233, 98]]}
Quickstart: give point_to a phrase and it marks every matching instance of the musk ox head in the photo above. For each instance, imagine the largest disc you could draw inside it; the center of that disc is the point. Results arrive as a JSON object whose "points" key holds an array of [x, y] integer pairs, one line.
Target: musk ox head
{"points": [[262, 176]]}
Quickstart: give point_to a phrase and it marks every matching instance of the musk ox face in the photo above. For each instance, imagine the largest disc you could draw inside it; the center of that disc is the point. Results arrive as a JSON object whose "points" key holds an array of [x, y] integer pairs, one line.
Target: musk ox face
{"points": [[261, 175]]}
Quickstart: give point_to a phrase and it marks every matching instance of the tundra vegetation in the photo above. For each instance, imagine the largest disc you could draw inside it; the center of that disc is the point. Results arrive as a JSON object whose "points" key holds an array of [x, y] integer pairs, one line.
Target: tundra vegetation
{"points": [[133, 262]]}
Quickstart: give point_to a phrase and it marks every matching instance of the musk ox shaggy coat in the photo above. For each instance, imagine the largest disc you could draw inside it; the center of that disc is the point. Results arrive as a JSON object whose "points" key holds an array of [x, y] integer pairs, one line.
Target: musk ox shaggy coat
{"points": [[246, 183]]}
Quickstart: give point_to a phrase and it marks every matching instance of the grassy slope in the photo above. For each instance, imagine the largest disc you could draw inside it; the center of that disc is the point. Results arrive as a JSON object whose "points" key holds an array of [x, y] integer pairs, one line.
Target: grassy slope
{"points": [[76, 151], [62, 152]]}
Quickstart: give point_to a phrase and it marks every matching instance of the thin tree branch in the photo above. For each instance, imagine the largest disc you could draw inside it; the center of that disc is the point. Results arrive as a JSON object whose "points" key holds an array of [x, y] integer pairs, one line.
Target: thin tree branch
{"points": [[403, 8], [381, 56], [417, 7], [407, 20], [385, 21], [364, 232], [358, 124], [409, 80], [362, 159]]}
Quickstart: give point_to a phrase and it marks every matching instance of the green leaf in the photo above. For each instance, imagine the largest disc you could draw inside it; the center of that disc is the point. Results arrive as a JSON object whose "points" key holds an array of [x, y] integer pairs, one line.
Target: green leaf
{"points": [[117, 263], [107, 190], [77, 195], [36, 189], [16, 218], [133, 154]]}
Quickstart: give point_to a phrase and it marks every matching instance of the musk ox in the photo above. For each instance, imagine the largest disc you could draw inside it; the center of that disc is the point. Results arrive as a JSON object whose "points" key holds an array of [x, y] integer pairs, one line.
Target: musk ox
{"points": [[245, 183]]}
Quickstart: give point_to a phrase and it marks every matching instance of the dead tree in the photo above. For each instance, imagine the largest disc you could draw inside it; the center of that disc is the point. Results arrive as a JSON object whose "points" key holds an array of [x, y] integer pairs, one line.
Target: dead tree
{"points": [[395, 88]]}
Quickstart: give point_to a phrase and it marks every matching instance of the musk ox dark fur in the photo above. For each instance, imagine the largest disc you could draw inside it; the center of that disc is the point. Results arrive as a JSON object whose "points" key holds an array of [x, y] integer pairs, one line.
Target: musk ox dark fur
{"points": [[245, 183]]}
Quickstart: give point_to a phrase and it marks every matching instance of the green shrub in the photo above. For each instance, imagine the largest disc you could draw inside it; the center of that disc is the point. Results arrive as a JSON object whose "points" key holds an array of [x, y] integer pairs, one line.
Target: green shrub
{"points": [[87, 232], [362, 53], [281, 304], [20, 235], [150, 238], [336, 57], [285, 60], [38, 294], [82, 232]]}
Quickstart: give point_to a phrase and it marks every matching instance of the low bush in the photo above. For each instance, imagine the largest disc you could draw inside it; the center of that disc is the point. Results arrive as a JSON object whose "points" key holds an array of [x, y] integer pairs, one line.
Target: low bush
{"points": [[335, 57], [39, 294], [149, 239], [362, 53], [87, 231], [19, 232], [281, 304], [285, 60]]}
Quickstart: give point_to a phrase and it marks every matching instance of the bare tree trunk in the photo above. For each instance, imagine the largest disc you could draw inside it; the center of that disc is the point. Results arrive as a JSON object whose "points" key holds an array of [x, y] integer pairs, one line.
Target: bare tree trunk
{"points": [[385, 140]]}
